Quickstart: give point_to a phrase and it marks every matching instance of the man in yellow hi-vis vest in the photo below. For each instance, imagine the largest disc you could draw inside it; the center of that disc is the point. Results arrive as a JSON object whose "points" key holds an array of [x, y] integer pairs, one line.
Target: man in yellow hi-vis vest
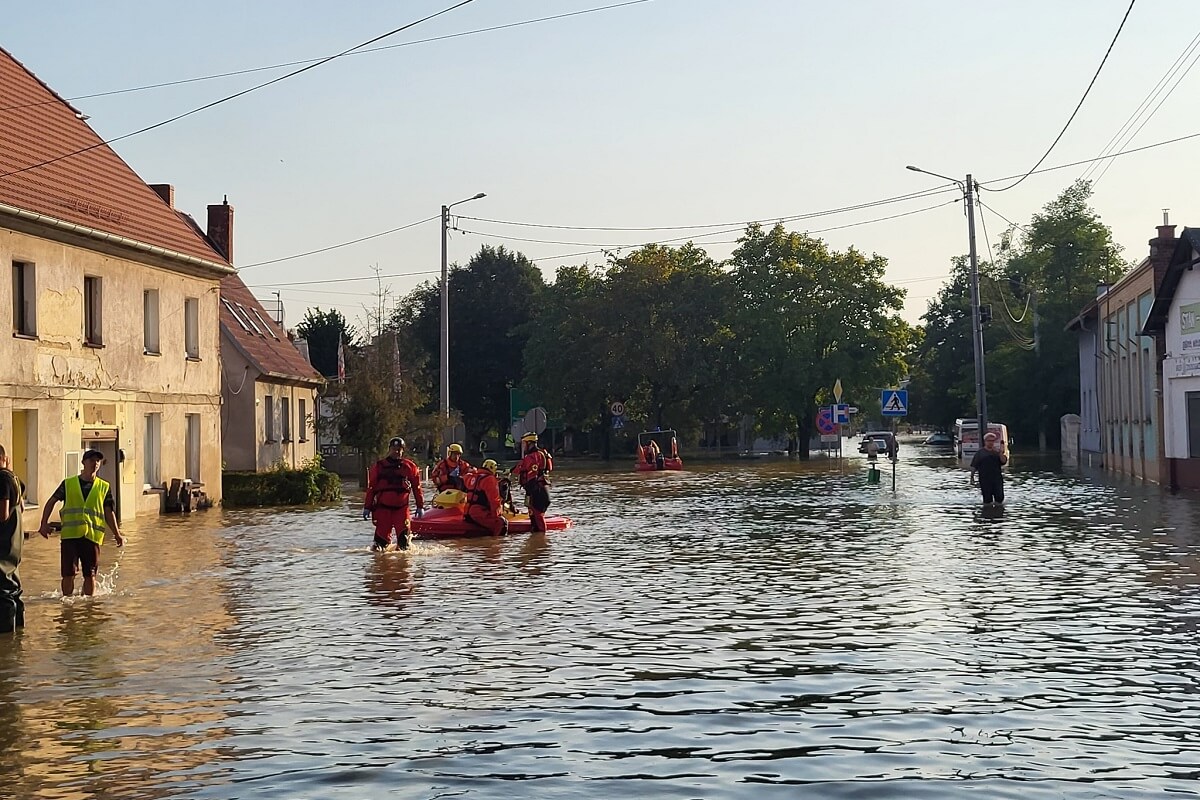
{"points": [[87, 507]]}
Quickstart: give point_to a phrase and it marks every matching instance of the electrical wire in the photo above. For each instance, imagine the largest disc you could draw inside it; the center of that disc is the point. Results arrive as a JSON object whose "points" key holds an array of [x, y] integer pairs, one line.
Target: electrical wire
{"points": [[1150, 116], [1112, 143], [740, 223], [339, 245], [1079, 105], [992, 260], [313, 60], [347, 280], [235, 95]]}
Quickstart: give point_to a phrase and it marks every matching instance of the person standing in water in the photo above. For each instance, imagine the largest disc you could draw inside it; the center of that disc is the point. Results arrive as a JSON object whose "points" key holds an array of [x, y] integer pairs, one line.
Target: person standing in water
{"points": [[533, 473], [390, 481], [88, 506], [484, 504], [987, 462], [12, 535]]}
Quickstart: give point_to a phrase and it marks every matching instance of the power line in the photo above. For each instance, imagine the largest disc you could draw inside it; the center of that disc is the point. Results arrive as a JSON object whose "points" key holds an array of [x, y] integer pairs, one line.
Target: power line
{"points": [[235, 95], [1078, 105], [1081, 162], [741, 223], [347, 280], [313, 60], [339, 245], [1150, 116], [1113, 143]]}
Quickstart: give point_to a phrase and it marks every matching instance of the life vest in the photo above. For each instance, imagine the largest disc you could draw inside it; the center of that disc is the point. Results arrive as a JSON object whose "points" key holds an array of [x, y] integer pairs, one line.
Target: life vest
{"points": [[476, 493], [392, 478], [535, 467], [84, 518]]}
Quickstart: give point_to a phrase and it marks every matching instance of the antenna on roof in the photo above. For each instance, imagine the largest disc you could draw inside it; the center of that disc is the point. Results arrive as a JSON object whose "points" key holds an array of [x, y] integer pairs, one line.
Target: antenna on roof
{"points": [[1166, 211]]}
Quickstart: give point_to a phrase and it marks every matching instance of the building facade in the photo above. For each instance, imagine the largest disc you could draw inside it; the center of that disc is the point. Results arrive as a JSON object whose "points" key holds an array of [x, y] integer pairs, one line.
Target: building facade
{"points": [[1175, 319], [113, 300], [1120, 405]]}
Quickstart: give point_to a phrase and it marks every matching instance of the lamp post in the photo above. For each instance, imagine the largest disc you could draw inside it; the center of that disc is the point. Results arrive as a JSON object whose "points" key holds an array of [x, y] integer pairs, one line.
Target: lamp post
{"points": [[976, 318], [445, 360]]}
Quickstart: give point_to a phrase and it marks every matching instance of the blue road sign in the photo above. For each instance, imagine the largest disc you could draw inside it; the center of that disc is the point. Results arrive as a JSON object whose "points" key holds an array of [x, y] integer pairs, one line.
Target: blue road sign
{"points": [[894, 402], [841, 414]]}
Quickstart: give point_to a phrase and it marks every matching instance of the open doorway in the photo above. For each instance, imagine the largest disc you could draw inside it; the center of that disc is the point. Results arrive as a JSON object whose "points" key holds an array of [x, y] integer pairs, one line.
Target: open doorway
{"points": [[104, 440]]}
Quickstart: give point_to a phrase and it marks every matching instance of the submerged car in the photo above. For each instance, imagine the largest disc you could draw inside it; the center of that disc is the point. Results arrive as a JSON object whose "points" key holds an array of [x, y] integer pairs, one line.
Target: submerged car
{"points": [[939, 440], [885, 442]]}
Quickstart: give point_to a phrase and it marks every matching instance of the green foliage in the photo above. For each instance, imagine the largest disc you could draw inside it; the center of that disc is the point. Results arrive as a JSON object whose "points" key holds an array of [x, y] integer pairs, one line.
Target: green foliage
{"points": [[1033, 365], [383, 392], [282, 486], [323, 330], [806, 316], [942, 384], [492, 301]]}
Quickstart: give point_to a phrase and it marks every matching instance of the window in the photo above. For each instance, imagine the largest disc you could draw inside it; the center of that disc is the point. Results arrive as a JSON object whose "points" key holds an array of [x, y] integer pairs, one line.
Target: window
{"points": [[150, 322], [152, 459], [24, 296], [250, 320], [302, 420], [269, 416], [191, 326], [191, 448], [233, 311], [268, 327], [285, 418], [93, 307]]}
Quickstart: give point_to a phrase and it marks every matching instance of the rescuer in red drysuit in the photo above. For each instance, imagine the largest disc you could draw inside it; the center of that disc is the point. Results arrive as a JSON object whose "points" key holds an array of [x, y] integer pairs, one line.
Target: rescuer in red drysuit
{"points": [[533, 475], [483, 499], [390, 481]]}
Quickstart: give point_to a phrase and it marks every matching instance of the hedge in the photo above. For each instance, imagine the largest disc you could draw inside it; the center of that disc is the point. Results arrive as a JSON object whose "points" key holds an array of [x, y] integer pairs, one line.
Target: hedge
{"points": [[282, 486]]}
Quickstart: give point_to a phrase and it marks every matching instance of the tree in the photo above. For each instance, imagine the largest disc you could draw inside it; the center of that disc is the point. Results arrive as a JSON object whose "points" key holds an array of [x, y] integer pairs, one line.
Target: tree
{"points": [[492, 300], [1033, 369], [323, 330], [942, 386], [380, 397], [807, 315]]}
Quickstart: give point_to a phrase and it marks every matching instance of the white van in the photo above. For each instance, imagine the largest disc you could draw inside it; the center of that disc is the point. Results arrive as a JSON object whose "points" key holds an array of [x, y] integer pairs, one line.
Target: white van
{"points": [[966, 436]]}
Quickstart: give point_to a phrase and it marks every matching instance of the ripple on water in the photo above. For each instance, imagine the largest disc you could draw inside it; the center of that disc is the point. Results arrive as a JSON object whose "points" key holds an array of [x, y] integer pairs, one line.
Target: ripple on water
{"points": [[764, 629]]}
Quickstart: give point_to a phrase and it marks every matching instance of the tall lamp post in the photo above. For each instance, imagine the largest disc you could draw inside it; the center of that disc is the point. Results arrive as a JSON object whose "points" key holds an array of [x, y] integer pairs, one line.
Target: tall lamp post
{"points": [[976, 318], [445, 360]]}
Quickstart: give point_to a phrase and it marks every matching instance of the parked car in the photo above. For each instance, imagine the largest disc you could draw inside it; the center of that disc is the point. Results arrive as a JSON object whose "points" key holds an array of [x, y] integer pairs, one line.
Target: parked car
{"points": [[939, 440], [885, 442]]}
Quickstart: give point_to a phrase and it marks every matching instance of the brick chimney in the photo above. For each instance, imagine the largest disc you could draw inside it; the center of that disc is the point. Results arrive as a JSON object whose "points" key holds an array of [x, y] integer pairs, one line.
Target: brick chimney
{"points": [[1161, 249], [166, 191], [220, 228]]}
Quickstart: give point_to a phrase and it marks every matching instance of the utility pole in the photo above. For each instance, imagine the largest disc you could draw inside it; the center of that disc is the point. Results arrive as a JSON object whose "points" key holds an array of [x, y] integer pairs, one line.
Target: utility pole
{"points": [[444, 371], [976, 317]]}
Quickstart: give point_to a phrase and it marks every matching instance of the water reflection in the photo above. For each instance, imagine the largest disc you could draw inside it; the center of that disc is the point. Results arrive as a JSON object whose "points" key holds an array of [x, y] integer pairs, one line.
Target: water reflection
{"points": [[756, 629]]}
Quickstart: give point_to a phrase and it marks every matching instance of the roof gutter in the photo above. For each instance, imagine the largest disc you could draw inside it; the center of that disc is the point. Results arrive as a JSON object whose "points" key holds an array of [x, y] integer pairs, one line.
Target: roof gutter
{"points": [[124, 241]]}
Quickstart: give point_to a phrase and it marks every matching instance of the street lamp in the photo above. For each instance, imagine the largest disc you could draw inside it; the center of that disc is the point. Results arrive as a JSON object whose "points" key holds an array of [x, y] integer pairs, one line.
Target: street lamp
{"points": [[445, 361], [976, 319]]}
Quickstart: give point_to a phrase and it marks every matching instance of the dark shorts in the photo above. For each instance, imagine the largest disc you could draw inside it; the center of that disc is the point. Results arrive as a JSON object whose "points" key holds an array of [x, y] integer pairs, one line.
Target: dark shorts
{"points": [[78, 552]]}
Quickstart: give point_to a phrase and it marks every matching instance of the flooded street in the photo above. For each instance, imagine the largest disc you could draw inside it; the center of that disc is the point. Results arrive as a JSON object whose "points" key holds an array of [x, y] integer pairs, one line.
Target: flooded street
{"points": [[754, 629]]}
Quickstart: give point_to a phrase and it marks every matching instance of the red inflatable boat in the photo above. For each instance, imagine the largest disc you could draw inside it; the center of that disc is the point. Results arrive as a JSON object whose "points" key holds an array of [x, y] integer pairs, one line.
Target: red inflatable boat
{"points": [[657, 450], [448, 523]]}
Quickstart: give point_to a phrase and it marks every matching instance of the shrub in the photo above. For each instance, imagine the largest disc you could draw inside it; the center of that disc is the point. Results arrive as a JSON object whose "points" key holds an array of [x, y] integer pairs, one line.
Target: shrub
{"points": [[282, 486]]}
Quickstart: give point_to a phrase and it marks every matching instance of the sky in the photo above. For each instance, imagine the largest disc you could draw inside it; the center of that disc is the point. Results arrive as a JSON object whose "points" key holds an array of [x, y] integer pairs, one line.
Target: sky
{"points": [[657, 114]]}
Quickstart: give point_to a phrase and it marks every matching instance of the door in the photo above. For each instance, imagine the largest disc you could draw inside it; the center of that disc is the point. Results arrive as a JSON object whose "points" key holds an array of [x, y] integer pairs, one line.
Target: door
{"points": [[105, 440]]}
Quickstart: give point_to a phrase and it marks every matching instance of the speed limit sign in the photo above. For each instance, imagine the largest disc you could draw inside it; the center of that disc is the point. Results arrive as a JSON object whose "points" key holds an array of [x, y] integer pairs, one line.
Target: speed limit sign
{"points": [[617, 408]]}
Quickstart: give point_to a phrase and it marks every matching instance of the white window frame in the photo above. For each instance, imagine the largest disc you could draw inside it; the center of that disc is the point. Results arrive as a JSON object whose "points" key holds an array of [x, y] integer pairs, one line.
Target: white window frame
{"points": [[152, 457], [302, 419], [191, 327], [93, 310], [151, 345], [236, 315], [24, 299]]}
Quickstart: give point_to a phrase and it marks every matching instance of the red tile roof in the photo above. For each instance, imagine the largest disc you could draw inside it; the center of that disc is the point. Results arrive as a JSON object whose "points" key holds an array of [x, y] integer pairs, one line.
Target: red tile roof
{"points": [[256, 334], [95, 189]]}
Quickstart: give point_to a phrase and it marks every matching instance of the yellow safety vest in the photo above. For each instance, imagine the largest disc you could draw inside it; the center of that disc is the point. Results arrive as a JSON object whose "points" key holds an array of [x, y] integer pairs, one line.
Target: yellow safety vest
{"points": [[84, 518]]}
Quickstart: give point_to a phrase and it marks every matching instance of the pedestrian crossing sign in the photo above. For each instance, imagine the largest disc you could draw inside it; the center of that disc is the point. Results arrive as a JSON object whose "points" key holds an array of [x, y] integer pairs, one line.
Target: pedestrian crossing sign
{"points": [[894, 402]]}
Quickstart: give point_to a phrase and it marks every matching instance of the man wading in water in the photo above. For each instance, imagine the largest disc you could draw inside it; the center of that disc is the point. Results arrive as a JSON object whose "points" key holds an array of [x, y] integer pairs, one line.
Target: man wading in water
{"points": [[987, 462], [87, 507]]}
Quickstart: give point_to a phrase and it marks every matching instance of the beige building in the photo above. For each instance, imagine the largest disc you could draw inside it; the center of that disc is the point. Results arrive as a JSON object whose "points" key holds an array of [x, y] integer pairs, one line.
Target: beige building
{"points": [[114, 301]]}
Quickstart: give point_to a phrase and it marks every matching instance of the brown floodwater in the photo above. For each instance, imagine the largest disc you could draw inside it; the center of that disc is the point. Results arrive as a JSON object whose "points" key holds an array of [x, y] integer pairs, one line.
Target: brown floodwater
{"points": [[745, 629]]}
